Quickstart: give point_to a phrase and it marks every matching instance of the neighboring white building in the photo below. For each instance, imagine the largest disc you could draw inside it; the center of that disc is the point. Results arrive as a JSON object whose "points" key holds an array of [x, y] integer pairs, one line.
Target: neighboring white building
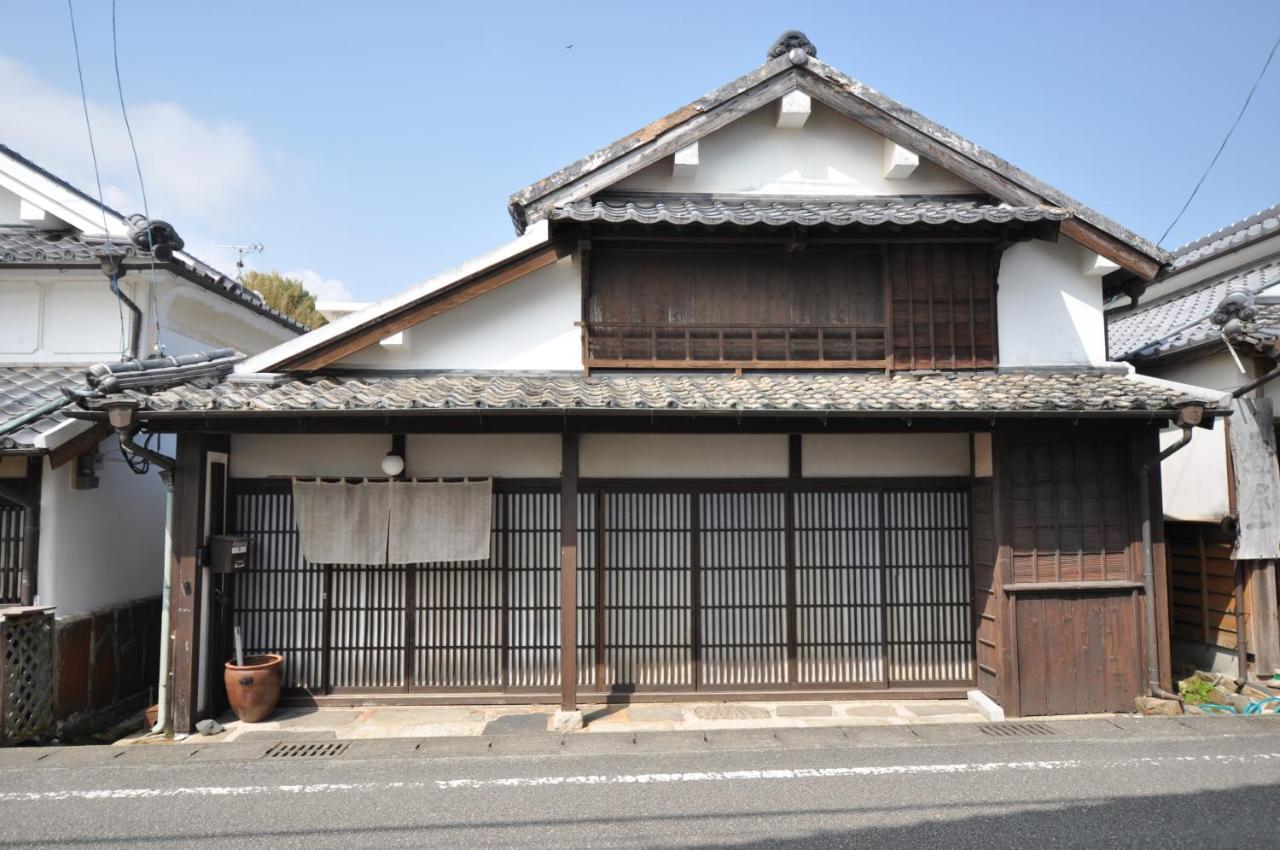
{"points": [[100, 527], [1171, 333]]}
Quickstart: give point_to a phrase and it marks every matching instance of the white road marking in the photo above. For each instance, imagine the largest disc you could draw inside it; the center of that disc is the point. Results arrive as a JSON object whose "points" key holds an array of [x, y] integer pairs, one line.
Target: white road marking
{"points": [[622, 779]]}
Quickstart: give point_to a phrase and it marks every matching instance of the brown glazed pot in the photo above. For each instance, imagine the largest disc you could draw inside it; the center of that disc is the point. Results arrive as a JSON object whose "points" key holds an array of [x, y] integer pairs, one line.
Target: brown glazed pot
{"points": [[254, 687]]}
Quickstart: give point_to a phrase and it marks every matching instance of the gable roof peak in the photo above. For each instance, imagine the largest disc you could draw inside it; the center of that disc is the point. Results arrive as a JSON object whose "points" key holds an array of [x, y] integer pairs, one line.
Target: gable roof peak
{"points": [[798, 68]]}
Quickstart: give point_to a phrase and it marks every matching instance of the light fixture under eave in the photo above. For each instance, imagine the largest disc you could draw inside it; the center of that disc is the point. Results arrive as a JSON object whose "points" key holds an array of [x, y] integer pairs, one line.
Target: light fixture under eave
{"points": [[392, 464]]}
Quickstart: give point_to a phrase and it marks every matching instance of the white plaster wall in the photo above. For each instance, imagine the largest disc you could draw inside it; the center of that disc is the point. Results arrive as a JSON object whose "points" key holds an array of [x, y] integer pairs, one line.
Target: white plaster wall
{"points": [[1217, 371], [9, 206], [103, 546], [52, 317], [70, 318], [829, 155], [527, 324], [884, 455], [683, 455], [483, 455], [1049, 313], [337, 455], [1194, 481]]}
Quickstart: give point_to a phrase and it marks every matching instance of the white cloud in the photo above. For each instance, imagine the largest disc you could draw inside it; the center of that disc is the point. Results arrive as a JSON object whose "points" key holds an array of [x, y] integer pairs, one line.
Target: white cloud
{"points": [[323, 288], [194, 167]]}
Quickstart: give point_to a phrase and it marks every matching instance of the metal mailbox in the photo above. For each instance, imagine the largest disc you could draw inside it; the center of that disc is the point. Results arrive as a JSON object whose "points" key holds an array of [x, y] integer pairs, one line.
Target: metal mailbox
{"points": [[228, 553]]}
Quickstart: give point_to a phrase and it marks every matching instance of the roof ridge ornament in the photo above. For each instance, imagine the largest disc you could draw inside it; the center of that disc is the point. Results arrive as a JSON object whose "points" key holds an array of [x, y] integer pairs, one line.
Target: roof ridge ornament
{"points": [[795, 45]]}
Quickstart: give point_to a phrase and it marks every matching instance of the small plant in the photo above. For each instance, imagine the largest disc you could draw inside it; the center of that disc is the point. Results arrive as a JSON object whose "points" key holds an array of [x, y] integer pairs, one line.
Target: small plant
{"points": [[1197, 692]]}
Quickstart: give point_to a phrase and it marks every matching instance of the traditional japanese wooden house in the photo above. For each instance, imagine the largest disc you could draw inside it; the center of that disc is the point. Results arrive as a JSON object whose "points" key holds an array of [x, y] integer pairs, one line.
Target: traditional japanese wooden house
{"points": [[792, 393]]}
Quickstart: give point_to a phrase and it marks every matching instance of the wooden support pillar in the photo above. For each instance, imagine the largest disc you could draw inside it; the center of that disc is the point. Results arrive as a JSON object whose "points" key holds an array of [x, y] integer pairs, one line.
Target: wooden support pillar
{"points": [[569, 573], [184, 576], [28, 582], [1264, 630]]}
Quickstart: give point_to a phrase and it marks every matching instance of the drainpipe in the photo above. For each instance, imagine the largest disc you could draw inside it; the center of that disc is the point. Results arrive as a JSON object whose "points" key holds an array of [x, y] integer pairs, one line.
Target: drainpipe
{"points": [[1189, 415], [121, 413], [111, 264]]}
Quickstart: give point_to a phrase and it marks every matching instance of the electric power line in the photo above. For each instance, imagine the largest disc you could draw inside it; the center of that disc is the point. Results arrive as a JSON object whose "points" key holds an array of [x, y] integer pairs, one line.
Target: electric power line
{"points": [[1222, 146], [137, 164]]}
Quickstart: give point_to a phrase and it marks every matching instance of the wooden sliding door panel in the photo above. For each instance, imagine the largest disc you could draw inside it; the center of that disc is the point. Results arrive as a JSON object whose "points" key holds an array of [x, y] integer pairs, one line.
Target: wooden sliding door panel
{"points": [[279, 598], [929, 598], [648, 640], [743, 580], [839, 588]]}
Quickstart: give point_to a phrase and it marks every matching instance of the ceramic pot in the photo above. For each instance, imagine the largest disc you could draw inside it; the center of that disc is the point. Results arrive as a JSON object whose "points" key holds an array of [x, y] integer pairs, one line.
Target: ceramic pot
{"points": [[253, 688]]}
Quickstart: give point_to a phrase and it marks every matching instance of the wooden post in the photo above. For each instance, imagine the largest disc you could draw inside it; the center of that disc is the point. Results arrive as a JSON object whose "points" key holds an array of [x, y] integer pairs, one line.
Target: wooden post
{"points": [[1264, 631], [569, 573], [184, 593], [28, 581]]}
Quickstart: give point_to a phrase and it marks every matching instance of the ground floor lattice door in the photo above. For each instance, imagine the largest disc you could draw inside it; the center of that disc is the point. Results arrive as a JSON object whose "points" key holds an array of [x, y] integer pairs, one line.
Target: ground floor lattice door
{"points": [[680, 590]]}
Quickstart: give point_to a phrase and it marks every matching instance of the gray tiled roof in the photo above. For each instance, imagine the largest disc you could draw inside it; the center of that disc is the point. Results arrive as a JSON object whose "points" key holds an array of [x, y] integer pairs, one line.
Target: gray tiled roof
{"points": [[24, 388], [1252, 229], [27, 245], [958, 393], [705, 209], [1181, 320], [30, 246]]}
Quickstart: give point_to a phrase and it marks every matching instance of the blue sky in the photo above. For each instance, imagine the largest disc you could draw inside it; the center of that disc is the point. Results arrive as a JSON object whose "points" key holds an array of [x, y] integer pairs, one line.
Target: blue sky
{"points": [[370, 145]]}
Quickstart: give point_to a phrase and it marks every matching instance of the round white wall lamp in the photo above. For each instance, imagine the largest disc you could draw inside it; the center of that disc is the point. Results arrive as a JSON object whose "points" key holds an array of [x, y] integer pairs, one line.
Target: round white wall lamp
{"points": [[392, 465]]}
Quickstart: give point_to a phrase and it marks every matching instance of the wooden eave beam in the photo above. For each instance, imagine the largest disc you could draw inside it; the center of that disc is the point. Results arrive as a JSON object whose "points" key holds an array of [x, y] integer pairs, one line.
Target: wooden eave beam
{"points": [[79, 444], [430, 306]]}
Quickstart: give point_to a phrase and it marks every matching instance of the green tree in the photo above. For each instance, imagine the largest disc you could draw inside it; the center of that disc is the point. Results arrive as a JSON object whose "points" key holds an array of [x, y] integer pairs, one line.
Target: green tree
{"points": [[287, 295]]}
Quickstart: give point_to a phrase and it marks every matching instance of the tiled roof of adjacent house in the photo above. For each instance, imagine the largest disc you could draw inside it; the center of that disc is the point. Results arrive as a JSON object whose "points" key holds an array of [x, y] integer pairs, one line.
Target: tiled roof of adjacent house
{"points": [[957, 393], [709, 209], [1181, 321], [1252, 229], [23, 389]]}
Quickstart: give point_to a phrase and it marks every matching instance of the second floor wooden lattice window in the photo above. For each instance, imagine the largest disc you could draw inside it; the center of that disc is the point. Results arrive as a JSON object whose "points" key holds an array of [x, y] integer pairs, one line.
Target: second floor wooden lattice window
{"points": [[823, 306]]}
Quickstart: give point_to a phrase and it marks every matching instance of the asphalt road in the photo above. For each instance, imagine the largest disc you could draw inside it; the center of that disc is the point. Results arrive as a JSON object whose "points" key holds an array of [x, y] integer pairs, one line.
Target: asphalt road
{"points": [[1123, 783]]}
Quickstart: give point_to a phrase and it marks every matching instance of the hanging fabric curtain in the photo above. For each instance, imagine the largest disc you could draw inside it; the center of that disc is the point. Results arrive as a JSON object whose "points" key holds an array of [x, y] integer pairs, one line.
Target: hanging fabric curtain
{"points": [[440, 521], [342, 523], [1253, 457]]}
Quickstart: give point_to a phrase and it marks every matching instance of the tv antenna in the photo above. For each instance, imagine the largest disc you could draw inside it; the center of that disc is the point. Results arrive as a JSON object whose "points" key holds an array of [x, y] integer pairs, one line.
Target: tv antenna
{"points": [[243, 251]]}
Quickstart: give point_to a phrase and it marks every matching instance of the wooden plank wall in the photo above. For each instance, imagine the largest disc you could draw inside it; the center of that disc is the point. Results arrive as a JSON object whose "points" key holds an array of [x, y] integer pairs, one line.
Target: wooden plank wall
{"points": [[1202, 576], [986, 594], [1078, 653], [739, 287], [1073, 615], [944, 309]]}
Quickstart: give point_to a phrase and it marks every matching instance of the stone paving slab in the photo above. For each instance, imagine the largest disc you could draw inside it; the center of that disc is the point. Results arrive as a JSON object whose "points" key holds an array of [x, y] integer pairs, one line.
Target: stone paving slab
{"points": [[803, 710], [870, 710], [255, 735], [315, 717], [731, 711], [644, 713], [958, 709], [431, 716], [518, 724]]}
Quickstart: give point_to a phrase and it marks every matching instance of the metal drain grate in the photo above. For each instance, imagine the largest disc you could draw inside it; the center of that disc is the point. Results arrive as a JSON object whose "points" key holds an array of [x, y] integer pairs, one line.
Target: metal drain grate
{"points": [[1016, 730], [304, 751]]}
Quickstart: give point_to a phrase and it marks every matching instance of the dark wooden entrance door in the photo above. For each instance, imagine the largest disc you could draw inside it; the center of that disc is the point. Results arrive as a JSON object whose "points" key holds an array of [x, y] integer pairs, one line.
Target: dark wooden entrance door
{"points": [[710, 587]]}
